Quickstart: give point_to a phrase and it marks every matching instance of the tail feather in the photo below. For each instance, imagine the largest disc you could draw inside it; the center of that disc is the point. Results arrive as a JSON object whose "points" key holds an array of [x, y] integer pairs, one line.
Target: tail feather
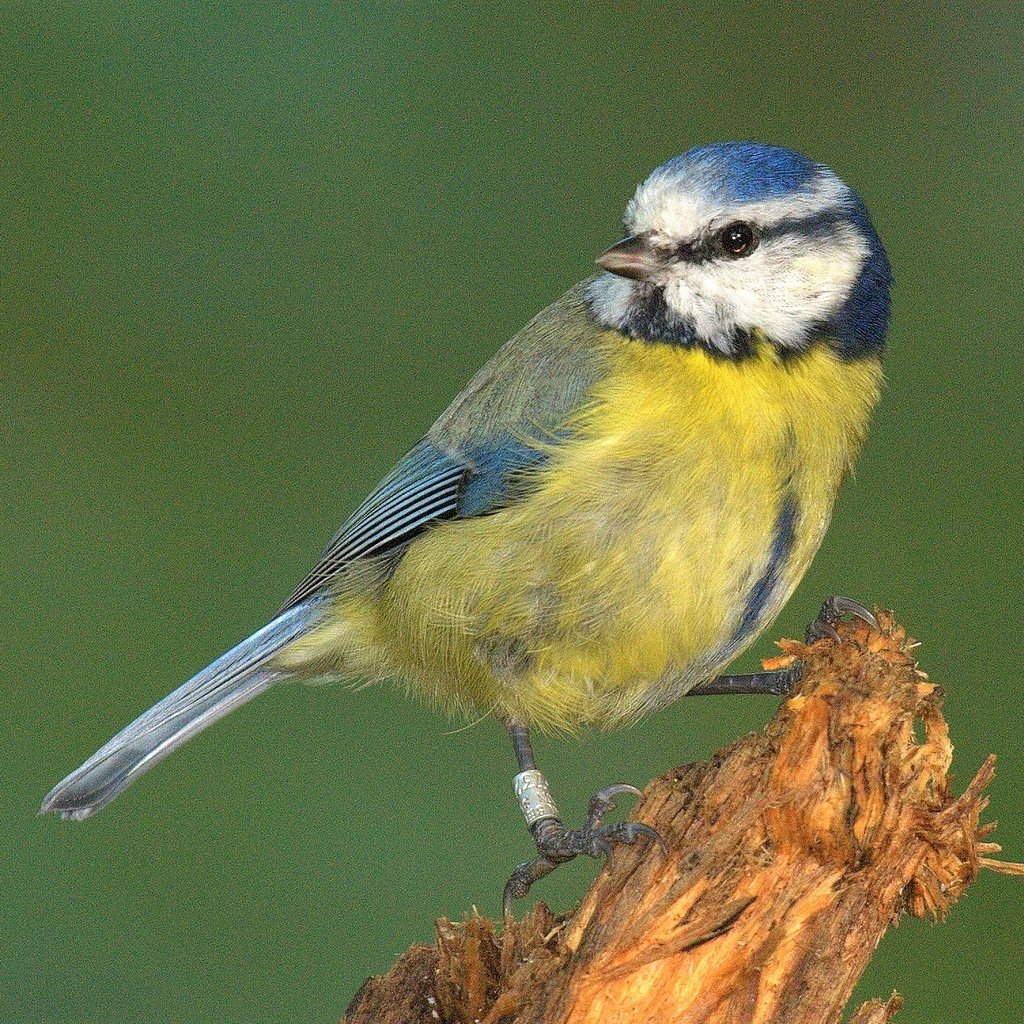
{"points": [[232, 680]]}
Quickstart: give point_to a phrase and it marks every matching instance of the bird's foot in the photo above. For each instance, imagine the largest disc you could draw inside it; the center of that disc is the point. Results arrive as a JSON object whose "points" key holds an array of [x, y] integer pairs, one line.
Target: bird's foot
{"points": [[557, 844], [831, 612]]}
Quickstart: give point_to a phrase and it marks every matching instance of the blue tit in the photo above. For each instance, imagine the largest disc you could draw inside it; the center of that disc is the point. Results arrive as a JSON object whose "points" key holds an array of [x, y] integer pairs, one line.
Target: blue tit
{"points": [[614, 507]]}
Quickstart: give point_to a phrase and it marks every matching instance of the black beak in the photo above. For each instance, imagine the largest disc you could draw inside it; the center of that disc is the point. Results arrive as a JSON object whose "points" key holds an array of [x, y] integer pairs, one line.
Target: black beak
{"points": [[633, 257]]}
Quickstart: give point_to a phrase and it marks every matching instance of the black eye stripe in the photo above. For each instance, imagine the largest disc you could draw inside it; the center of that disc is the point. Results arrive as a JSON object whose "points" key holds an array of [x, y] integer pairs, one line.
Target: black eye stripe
{"points": [[816, 225], [693, 252]]}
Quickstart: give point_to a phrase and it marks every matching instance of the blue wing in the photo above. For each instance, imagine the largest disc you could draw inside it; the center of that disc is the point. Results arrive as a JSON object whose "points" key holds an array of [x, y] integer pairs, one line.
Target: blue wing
{"points": [[473, 461], [426, 486]]}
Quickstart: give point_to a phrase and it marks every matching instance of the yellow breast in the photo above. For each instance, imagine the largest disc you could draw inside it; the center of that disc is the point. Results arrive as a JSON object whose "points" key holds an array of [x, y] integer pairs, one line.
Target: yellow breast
{"points": [[654, 545]]}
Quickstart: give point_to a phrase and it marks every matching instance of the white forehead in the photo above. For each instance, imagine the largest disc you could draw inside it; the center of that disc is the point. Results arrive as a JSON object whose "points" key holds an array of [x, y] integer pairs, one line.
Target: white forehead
{"points": [[668, 204]]}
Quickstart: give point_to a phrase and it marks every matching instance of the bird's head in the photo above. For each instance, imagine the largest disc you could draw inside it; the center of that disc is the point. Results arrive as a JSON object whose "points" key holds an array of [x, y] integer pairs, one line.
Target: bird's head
{"points": [[737, 238]]}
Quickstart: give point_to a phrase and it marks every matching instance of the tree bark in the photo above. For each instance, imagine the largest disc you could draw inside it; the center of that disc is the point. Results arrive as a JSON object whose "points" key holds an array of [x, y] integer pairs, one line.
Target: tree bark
{"points": [[791, 853]]}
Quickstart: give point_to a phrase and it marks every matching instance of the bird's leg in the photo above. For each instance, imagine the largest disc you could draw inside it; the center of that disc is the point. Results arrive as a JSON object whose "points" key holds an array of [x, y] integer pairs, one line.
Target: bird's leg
{"points": [[555, 843], [776, 683], [779, 682]]}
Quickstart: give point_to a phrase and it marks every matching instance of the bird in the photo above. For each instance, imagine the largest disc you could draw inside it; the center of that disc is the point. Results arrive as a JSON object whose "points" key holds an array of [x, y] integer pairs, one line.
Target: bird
{"points": [[617, 505]]}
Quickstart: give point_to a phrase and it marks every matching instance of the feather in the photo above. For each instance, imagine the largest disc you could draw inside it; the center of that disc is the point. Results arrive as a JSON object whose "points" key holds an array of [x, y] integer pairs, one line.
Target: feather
{"points": [[232, 680], [422, 489]]}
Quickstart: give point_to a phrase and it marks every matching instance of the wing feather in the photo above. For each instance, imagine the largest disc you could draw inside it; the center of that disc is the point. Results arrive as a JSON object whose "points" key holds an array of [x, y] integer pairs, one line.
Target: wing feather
{"points": [[423, 488], [478, 456]]}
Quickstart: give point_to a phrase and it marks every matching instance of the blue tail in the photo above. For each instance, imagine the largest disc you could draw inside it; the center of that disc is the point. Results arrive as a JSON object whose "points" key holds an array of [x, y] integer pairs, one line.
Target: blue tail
{"points": [[232, 680]]}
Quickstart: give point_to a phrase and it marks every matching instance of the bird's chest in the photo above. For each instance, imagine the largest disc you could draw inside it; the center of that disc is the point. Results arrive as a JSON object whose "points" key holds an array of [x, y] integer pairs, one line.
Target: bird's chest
{"points": [[695, 450], [701, 489]]}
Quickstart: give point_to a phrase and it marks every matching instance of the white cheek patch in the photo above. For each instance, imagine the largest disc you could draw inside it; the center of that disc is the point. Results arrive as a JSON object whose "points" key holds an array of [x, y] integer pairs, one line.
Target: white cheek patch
{"points": [[612, 299], [834, 274], [780, 288]]}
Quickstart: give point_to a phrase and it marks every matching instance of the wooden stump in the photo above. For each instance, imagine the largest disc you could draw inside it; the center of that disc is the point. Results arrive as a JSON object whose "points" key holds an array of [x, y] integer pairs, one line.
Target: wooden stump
{"points": [[791, 853]]}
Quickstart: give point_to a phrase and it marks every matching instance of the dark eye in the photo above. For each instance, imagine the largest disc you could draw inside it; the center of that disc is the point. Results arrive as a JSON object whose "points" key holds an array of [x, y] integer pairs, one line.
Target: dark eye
{"points": [[737, 239]]}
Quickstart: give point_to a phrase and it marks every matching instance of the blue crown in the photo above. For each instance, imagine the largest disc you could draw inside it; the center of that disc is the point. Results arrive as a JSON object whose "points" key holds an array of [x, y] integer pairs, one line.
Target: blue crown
{"points": [[743, 171]]}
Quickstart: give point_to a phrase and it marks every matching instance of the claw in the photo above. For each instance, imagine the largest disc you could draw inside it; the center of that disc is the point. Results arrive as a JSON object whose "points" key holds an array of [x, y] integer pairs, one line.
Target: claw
{"points": [[609, 792], [831, 612], [640, 829], [522, 878], [847, 606], [820, 629], [603, 802]]}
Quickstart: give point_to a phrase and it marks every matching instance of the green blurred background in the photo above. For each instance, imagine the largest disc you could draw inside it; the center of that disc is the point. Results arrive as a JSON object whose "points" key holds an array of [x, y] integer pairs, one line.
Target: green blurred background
{"points": [[249, 253]]}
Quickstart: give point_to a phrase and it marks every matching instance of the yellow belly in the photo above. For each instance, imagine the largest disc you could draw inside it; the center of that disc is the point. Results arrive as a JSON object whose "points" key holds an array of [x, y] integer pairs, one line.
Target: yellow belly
{"points": [[652, 548]]}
